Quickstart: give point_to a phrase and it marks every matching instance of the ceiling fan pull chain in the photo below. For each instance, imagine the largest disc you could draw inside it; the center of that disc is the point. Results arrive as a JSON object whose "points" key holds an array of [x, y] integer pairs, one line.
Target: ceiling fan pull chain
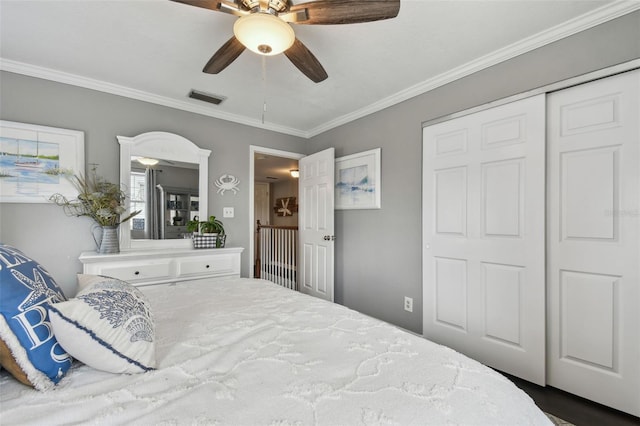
{"points": [[264, 87]]}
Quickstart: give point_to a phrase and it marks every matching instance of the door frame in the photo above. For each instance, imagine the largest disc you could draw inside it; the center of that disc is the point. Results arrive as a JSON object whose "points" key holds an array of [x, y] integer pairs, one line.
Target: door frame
{"points": [[253, 150]]}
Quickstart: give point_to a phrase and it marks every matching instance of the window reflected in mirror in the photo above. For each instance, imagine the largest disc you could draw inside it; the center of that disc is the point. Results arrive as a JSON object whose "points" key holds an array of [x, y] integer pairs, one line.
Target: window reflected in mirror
{"points": [[167, 195], [138, 202]]}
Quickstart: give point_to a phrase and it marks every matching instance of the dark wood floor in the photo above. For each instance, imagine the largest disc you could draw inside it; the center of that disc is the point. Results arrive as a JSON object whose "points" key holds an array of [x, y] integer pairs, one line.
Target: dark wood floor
{"points": [[572, 408]]}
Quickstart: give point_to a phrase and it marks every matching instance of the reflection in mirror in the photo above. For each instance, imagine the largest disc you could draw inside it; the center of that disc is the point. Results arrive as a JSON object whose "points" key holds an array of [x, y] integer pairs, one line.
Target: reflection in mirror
{"points": [[166, 177], [166, 193]]}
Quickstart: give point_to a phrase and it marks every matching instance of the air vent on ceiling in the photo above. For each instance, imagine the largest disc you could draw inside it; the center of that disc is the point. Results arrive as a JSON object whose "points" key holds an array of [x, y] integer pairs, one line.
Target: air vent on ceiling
{"points": [[272, 178], [206, 97]]}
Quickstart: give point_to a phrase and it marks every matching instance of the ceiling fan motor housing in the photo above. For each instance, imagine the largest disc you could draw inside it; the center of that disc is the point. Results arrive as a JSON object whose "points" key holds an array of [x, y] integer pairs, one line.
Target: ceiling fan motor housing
{"points": [[275, 5]]}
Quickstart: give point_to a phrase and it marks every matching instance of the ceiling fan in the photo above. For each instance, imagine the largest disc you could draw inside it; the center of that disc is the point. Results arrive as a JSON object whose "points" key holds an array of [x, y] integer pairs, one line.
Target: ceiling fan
{"points": [[263, 27]]}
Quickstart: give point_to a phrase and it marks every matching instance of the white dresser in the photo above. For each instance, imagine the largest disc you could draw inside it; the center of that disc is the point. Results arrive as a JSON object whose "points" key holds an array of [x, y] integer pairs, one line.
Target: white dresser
{"points": [[145, 267]]}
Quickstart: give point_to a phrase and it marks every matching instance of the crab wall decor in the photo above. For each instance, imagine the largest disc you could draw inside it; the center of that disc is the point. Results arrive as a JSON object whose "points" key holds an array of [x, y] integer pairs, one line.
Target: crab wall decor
{"points": [[227, 183], [285, 206]]}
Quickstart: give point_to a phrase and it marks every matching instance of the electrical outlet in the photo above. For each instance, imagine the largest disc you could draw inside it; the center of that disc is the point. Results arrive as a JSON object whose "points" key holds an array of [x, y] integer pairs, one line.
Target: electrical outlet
{"points": [[408, 304], [228, 212]]}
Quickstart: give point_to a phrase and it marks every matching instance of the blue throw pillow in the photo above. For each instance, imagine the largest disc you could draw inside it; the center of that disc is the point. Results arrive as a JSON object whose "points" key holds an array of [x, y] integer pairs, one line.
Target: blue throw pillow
{"points": [[28, 348]]}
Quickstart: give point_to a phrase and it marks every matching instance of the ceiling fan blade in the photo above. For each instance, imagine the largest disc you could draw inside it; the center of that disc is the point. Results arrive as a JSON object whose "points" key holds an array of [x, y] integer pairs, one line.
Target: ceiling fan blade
{"points": [[224, 56], [328, 12], [233, 7], [304, 60]]}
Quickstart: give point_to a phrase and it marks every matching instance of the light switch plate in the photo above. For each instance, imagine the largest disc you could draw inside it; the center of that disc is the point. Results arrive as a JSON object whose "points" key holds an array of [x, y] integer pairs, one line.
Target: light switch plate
{"points": [[228, 212]]}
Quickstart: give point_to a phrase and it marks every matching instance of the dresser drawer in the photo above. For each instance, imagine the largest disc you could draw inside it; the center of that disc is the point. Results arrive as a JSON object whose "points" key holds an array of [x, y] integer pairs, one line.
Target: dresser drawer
{"points": [[151, 267], [138, 272], [207, 265]]}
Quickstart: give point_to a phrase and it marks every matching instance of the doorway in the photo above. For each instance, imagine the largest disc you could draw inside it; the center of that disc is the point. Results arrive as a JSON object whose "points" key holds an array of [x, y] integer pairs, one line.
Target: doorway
{"points": [[270, 175]]}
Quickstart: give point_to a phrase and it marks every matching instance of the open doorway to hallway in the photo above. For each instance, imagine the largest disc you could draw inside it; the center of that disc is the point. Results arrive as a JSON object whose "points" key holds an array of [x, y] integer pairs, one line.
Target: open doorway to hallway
{"points": [[274, 215]]}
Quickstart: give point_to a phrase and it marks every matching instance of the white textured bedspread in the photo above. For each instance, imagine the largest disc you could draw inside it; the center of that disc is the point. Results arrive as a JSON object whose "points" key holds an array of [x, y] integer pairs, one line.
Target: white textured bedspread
{"points": [[247, 352]]}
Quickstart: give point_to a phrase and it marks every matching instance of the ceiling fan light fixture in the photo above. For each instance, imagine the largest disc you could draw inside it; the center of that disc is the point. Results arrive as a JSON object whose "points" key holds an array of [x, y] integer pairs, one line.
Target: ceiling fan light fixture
{"points": [[264, 34]]}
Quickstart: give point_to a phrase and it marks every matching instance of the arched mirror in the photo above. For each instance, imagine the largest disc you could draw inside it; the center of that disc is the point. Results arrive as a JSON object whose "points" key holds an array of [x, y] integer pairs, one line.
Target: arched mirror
{"points": [[165, 176]]}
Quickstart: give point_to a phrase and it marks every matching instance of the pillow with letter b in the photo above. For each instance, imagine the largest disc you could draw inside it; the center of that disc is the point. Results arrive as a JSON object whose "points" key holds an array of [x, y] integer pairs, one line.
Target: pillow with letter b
{"points": [[28, 348], [108, 326]]}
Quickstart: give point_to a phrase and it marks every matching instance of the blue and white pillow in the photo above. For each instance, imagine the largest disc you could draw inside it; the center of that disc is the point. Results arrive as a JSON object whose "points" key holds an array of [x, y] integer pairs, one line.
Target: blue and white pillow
{"points": [[28, 348], [108, 326]]}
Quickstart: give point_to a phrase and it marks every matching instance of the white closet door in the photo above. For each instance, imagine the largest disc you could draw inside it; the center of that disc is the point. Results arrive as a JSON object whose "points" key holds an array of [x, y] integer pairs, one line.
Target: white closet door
{"points": [[483, 235], [594, 241]]}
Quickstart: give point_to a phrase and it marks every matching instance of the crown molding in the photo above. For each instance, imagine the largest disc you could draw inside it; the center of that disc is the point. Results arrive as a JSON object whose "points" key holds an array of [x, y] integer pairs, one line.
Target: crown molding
{"points": [[128, 92], [588, 20], [566, 29]]}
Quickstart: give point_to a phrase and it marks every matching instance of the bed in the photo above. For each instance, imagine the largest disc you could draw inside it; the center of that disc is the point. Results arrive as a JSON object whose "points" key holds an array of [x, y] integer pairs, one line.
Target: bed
{"points": [[248, 352]]}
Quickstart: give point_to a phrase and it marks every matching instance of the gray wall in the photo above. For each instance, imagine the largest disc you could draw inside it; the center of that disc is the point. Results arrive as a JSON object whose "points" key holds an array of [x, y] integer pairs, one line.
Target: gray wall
{"points": [[378, 252], [45, 233]]}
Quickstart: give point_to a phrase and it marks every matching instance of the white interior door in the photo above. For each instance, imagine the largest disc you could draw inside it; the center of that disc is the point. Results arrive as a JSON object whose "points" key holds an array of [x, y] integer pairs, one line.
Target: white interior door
{"points": [[261, 203], [594, 241], [316, 224], [483, 236]]}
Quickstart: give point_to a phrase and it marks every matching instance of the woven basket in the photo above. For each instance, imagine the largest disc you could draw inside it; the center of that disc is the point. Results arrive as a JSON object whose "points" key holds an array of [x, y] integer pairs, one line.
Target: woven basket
{"points": [[208, 241]]}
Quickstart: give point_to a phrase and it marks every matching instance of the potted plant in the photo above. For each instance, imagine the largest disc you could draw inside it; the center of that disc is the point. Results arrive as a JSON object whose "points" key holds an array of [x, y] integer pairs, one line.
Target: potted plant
{"points": [[212, 232], [193, 225], [212, 226]]}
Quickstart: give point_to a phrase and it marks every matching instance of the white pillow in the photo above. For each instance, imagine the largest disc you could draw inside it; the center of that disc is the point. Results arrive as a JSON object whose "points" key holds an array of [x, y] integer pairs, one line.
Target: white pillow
{"points": [[108, 326]]}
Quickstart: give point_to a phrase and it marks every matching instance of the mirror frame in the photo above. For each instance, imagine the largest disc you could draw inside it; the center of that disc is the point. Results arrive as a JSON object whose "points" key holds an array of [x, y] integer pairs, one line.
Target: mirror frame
{"points": [[166, 146]]}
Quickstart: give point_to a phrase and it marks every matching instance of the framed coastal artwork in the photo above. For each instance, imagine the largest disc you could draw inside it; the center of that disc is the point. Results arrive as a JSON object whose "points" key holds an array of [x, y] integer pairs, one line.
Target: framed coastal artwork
{"points": [[358, 181], [35, 162]]}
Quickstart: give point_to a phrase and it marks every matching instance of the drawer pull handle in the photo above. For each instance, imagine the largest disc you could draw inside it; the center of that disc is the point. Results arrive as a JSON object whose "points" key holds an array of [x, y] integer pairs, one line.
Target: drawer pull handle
{"points": [[207, 266], [136, 273]]}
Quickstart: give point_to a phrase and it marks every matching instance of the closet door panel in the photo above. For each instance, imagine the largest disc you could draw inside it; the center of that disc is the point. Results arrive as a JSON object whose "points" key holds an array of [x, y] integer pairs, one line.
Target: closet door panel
{"points": [[589, 188], [451, 288], [502, 198], [483, 225], [594, 241], [503, 290], [588, 311], [451, 201]]}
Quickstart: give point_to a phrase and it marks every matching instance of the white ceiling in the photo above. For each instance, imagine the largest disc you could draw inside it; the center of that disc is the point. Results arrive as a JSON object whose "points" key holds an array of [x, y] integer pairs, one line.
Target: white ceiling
{"points": [[154, 50]]}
